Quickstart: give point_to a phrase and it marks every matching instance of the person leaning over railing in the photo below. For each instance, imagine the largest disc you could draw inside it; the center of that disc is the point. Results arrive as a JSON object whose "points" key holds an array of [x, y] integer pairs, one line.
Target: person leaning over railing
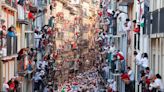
{"points": [[11, 31], [126, 79], [131, 75], [156, 84]]}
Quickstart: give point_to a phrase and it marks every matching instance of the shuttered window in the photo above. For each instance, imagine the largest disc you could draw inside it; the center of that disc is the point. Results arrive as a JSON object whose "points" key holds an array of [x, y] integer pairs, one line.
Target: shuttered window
{"points": [[161, 29], [155, 22]]}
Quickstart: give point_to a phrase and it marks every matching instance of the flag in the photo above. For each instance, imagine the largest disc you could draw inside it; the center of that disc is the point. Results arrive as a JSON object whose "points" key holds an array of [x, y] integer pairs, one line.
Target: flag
{"points": [[142, 23]]}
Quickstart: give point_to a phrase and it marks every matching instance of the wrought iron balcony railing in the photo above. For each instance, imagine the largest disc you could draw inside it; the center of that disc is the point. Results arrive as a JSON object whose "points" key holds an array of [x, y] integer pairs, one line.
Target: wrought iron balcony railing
{"points": [[11, 45], [8, 46]]}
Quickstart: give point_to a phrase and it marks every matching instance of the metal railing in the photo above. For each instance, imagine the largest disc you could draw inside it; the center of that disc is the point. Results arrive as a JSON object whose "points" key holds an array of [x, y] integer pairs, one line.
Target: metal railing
{"points": [[11, 45]]}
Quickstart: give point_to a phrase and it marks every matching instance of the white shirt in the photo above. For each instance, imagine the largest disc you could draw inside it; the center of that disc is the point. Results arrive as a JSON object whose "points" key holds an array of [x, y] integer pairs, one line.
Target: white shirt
{"points": [[37, 76], [114, 87], [131, 75], [44, 63], [38, 64], [144, 62], [157, 83], [106, 69], [138, 59], [112, 49], [5, 87], [150, 74]]}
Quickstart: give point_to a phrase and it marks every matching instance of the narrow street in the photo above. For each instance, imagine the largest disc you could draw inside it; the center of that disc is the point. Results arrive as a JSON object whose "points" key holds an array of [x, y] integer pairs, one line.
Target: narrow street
{"points": [[81, 45]]}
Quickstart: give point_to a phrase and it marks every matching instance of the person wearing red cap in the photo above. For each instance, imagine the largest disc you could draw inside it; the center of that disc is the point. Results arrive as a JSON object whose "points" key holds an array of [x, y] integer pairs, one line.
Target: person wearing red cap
{"points": [[126, 79], [122, 61]]}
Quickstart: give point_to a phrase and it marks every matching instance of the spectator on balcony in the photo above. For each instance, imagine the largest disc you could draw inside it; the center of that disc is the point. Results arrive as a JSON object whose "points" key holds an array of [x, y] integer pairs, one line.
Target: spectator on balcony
{"points": [[121, 65], [5, 86], [17, 83], [11, 31], [113, 65], [148, 72], [4, 30], [3, 35], [11, 84], [131, 75], [137, 55], [144, 61], [106, 71], [37, 36], [128, 25], [156, 84], [126, 79]]}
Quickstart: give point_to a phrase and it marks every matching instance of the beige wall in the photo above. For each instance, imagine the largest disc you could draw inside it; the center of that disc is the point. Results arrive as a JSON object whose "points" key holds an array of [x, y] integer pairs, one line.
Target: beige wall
{"points": [[8, 69]]}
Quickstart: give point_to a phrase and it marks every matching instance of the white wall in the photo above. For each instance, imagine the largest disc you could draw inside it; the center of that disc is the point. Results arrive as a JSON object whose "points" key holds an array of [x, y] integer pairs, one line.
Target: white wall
{"points": [[156, 4]]}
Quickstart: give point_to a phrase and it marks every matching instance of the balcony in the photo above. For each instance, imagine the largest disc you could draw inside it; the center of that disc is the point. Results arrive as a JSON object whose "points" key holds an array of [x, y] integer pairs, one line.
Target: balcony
{"points": [[125, 2], [26, 22], [42, 3], [11, 45], [23, 69], [11, 5], [161, 21], [83, 44], [155, 23]]}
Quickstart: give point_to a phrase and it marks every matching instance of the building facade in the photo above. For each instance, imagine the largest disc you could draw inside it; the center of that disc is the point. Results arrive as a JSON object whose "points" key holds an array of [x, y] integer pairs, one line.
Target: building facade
{"points": [[8, 43], [154, 30]]}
